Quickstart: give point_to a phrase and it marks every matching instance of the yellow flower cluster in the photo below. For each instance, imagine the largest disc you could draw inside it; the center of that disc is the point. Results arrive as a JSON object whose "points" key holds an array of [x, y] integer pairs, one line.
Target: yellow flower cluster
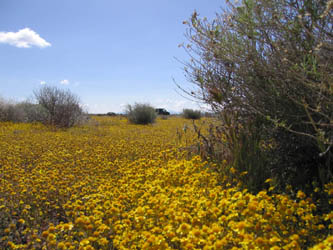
{"points": [[112, 185]]}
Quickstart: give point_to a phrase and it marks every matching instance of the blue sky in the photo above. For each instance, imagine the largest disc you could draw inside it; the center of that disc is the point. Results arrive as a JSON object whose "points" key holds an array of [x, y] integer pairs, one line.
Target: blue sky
{"points": [[110, 53]]}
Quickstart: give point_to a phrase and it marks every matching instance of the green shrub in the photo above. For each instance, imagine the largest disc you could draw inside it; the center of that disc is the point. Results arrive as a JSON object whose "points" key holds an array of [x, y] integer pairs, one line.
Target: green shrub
{"points": [[191, 114], [141, 114], [268, 61]]}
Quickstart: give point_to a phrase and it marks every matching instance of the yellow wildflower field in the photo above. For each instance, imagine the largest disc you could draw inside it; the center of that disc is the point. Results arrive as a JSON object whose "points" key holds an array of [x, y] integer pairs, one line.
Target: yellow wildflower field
{"points": [[112, 185]]}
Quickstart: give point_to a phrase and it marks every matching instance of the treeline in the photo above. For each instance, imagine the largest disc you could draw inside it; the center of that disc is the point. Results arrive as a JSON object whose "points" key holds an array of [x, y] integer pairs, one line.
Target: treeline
{"points": [[51, 106]]}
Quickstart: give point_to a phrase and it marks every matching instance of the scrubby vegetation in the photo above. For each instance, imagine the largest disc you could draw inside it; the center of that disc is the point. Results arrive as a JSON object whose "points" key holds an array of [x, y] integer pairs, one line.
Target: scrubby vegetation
{"points": [[191, 114], [52, 106], [21, 112], [63, 107], [114, 185], [264, 67], [141, 113]]}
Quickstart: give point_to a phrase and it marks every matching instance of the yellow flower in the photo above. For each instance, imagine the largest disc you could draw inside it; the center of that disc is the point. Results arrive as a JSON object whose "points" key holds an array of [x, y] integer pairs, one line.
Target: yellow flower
{"points": [[268, 180], [103, 241], [51, 237], [51, 229], [68, 226], [329, 239], [21, 221], [88, 247], [151, 239], [232, 170], [216, 228], [132, 186], [329, 216], [300, 195], [103, 228], [184, 228], [84, 242], [294, 237], [274, 239], [53, 243], [61, 245], [221, 243], [79, 221], [241, 225], [212, 237], [253, 205], [189, 245], [260, 241], [196, 232], [330, 192], [45, 234]]}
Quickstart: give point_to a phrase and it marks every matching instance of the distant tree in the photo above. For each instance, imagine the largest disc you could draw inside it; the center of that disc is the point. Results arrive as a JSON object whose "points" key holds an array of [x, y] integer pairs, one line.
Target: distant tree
{"points": [[32, 112], [10, 112], [162, 111], [141, 113], [191, 114], [271, 60], [111, 114], [63, 107]]}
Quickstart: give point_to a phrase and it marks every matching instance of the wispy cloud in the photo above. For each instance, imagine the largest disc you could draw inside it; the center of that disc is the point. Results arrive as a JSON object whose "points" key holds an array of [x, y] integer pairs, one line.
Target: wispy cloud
{"points": [[64, 82], [42, 82], [24, 38]]}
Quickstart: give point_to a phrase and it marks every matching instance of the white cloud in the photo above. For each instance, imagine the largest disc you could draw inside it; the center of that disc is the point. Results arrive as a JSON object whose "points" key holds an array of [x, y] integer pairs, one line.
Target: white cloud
{"points": [[24, 38], [42, 82], [64, 82]]}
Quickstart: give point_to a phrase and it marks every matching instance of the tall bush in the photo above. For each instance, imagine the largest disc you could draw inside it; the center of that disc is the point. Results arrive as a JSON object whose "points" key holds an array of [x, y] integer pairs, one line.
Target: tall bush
{"points": [[25, 111], [271, 60], [141, 113], [191, 114], [63, 107], [9, 111], [32, 112]]}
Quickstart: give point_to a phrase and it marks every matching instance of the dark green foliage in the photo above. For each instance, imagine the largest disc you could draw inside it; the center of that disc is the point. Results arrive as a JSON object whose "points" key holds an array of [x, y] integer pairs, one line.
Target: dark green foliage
{"points": [[271, 61], [141, 114], [191, 114]]}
